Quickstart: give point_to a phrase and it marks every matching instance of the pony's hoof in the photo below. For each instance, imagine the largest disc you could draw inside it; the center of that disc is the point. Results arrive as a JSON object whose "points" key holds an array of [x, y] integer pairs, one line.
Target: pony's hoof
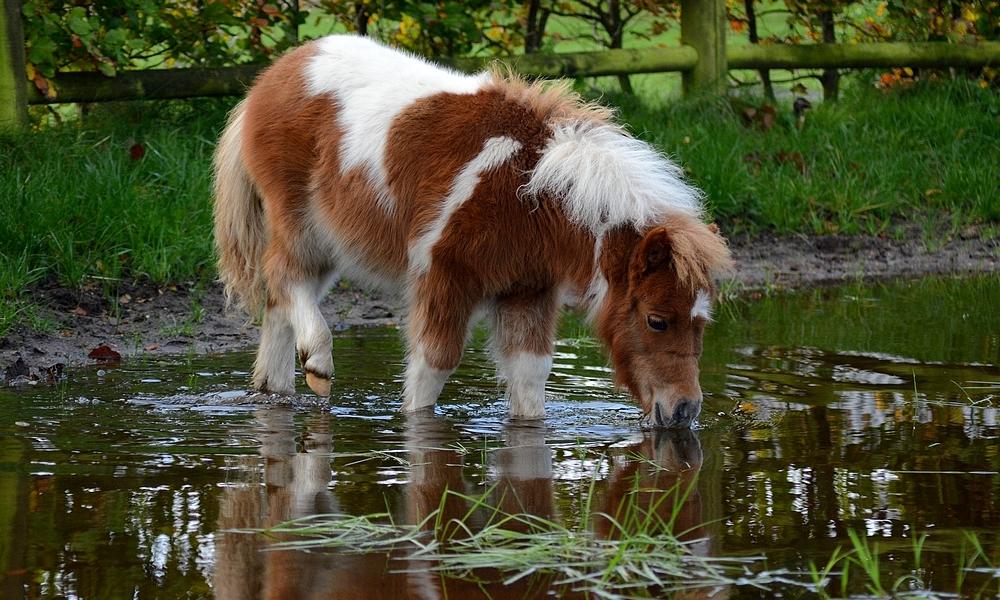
{"points": [[319, 385]]}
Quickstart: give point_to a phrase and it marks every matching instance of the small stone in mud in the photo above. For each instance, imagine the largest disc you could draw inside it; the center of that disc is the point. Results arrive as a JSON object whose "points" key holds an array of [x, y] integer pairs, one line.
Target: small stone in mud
{"points": [[376, 311]]}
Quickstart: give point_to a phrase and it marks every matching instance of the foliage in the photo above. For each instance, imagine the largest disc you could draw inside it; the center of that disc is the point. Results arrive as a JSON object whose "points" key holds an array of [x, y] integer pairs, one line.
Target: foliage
{"points": [[108, 35], [440, 28]]}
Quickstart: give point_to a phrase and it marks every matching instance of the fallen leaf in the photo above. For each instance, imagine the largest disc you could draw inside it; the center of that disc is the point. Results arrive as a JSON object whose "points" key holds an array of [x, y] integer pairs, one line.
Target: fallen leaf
{"points": [[80, 311], [767, 117], [103, 353], [137, 151], [794, 158], [152, 347]]}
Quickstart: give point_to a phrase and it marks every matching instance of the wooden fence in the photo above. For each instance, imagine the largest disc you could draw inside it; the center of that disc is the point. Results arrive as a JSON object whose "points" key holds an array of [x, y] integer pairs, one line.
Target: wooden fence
{"points": [[703, 58]]}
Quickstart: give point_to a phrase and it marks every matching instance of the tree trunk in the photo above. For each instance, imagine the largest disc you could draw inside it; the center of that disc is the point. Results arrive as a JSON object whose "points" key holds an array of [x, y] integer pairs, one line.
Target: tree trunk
{"points": [[831, 77], [616, 31], [532, 39], [361, 18], [765, 74]]}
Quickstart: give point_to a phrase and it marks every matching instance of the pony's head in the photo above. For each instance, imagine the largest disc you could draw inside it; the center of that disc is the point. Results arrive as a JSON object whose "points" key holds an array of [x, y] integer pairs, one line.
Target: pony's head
{"points": [[657, 306]]}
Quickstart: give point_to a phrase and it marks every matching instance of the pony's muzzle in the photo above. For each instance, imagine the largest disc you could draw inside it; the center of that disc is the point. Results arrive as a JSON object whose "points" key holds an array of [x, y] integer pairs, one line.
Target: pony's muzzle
{"points": [[683, 413]]}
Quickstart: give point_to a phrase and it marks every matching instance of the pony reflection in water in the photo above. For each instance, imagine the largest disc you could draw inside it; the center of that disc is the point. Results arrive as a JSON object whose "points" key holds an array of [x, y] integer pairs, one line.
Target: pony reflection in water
{"points": [[470, 195], [655, 474]]}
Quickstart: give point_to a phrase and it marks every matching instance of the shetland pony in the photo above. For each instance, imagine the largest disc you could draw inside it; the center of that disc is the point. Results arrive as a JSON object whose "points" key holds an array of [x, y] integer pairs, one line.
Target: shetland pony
{"points": [[474, 195]]}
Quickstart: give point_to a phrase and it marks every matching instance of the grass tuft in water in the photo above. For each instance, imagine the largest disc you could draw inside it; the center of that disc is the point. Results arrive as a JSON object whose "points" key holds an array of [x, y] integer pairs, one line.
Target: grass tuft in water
{"points": [[636, 554]]}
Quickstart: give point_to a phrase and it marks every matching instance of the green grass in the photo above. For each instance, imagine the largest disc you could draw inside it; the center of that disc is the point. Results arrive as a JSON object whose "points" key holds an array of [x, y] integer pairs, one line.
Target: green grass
{"points": [[641, 556], [640, 551], [857, 166], [77, 209]]}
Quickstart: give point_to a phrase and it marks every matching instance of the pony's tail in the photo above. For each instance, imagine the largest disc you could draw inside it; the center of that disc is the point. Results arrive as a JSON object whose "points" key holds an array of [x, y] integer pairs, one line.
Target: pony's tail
{"points": [[240, 229]]}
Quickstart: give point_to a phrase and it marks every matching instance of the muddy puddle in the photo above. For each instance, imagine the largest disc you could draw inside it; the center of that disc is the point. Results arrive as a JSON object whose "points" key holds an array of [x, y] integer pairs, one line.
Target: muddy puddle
{"points": [[865, 411]]}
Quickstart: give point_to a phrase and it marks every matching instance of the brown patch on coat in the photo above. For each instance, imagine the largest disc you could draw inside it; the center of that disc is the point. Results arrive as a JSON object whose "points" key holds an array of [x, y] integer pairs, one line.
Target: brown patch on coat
{"points": [[496, 244]]}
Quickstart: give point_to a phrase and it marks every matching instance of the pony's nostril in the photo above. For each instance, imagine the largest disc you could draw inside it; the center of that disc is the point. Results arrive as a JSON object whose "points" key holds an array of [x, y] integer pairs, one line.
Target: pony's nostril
{"points": [[682, 414], [685, 413]]}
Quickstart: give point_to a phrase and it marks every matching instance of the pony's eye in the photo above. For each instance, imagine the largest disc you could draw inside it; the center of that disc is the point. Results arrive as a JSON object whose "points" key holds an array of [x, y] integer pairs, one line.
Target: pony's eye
{"points": [[656, 323]]}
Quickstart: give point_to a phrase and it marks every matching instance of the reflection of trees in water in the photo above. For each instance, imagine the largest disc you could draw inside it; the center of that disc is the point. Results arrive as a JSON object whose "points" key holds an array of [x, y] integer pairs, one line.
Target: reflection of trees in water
{"points": [[296, 483]]}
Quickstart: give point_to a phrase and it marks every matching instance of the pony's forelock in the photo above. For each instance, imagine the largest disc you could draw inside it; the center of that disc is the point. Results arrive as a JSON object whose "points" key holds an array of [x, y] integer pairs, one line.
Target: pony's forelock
{"points": [[699, 252]]}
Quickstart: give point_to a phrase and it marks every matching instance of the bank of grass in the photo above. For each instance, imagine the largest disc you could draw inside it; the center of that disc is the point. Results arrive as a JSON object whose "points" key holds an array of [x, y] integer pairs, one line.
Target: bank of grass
{"points": [[928, 154], [78, 207]]}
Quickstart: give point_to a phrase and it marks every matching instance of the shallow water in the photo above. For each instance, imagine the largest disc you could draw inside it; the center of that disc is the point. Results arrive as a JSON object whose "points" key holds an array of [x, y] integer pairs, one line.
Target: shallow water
{"points": [[843, 409]]}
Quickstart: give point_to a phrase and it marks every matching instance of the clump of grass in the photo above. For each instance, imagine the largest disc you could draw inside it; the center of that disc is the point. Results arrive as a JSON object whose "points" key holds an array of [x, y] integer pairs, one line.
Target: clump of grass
{"points": [[17, 275], [639, 554]]}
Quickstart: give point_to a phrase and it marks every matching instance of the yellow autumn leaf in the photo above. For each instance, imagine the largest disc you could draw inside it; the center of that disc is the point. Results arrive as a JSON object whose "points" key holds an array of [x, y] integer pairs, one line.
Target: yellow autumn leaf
{"points": [[880, 10]]}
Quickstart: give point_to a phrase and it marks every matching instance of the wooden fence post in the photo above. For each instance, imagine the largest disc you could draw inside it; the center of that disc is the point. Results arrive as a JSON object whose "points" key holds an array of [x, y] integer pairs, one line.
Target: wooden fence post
{"points": [[13, 97], [703, 26]]}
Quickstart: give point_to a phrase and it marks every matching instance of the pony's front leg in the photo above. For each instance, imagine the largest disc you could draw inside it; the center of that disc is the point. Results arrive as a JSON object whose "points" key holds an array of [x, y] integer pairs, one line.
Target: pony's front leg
{"points": [[524, 328], [440, 309]]}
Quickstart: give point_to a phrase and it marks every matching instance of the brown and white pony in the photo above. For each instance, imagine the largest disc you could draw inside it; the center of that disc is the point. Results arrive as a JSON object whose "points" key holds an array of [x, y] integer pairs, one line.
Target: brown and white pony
{"points": [[471, 194]]}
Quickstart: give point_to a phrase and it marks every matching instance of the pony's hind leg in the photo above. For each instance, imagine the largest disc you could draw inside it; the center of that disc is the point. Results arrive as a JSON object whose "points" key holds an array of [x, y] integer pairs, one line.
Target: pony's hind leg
{"points": [[313, 340], [274, 369], [523, 340], [294, 290]]}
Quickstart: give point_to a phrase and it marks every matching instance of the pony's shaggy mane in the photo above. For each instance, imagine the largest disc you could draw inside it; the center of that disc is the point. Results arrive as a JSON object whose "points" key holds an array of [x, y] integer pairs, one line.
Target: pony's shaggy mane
{"points": [[603, 176], [549, 100]]}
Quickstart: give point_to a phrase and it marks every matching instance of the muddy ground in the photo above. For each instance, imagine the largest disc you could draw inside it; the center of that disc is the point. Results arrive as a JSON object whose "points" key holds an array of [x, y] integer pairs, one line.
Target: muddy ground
{"points": [[178, 319]]}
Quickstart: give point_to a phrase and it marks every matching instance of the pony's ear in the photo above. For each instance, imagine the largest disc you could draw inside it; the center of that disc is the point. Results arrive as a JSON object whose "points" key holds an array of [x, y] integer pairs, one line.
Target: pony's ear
{"points": [[653, 253]]}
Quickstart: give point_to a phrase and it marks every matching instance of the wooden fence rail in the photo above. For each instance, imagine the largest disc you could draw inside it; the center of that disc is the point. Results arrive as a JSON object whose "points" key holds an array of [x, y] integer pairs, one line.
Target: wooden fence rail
{"points": [[703, 58]]}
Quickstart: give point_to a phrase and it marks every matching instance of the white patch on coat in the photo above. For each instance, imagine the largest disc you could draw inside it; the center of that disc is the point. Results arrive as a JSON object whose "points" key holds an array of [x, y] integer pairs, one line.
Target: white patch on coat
{"points": [[423, 383], [526, 374], [702, 307], [312, 334], [607, 178], [495, 152], [371, 84], [597, 291], [274, 368]]}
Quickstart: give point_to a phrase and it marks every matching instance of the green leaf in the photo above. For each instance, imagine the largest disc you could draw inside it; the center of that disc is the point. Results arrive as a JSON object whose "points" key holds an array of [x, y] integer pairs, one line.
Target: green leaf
{"points": [[115, 39], [43, 51], [76, 19]]}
